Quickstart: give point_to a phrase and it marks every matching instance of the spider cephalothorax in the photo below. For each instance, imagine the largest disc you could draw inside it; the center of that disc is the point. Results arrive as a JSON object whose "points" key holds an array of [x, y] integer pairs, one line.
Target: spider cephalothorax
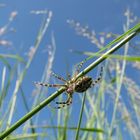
{"points": [[73, 85]]}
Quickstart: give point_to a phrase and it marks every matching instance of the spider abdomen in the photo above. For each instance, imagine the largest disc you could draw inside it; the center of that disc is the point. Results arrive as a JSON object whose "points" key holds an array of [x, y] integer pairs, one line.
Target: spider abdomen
{"points": [[83, 84]]}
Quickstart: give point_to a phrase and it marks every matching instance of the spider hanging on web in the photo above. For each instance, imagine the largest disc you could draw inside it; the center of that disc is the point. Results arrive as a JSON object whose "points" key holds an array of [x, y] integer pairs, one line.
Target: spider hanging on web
{"points": [[72, 85]]}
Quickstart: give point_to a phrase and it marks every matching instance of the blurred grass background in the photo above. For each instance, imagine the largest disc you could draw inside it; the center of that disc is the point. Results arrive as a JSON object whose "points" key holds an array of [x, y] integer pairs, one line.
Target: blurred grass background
{"points": [[109, 111]]}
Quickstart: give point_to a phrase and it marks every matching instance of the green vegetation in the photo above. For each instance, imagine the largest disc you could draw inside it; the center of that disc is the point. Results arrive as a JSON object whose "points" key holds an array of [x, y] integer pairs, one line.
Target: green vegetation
{"points": [[95, 108]]}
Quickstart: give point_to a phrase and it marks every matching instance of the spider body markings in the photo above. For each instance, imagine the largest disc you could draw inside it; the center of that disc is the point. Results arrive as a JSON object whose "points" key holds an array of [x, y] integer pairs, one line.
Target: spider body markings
{"points": [[83, 84], [79, 85]]}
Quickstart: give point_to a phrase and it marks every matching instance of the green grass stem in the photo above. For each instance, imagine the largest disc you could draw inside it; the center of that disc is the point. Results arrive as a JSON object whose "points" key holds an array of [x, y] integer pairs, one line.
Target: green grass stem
{"points": [[70, 128], [80, 117], [135, 29], [104, 56]]}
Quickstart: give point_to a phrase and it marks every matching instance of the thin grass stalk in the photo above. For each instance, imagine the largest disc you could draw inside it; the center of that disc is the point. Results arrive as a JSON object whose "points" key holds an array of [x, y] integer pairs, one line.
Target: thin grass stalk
{"points": [[104, 56], [134, 96], [86, 111], [61, 90], [96, 113], [87, 116], [12, 56], [21, 76], [45, 77], [5, 62], [80, 117], [26, 107], [52, 124], [47, 71], [59, 120], [120, 78], [27, 136], [2, 98], [7, 85], [136, 29], [69, 128], [116, 56], [91, 117], [5, 92], [2, 85], [66, 118], [3, 78]]}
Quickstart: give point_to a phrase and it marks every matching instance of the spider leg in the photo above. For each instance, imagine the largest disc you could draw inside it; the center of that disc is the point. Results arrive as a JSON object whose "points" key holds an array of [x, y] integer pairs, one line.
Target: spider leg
{"points": [[68, 76], [96, 81], [58, 77], [67, 102], [49, 85], [79, 66]]}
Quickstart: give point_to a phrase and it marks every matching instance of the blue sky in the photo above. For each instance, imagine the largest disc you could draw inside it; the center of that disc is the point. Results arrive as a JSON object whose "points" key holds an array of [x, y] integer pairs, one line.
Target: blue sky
{"points": [[99, 15]]}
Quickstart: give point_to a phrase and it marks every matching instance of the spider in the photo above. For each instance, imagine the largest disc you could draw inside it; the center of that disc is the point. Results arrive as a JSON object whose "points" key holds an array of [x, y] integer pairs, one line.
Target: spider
{"points": [[72, 85]]}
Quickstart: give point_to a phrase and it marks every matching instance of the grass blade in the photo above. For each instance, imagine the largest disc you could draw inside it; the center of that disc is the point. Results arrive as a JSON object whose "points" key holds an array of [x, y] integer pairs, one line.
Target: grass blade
{"points": [[21, 76], [70, 128], [80, 117], [135, 29], [119, 57]]}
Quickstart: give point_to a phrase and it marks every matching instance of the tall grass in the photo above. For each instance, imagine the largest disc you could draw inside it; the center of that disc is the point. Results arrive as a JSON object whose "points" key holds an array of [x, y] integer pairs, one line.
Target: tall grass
{"points": [[103, 115]]}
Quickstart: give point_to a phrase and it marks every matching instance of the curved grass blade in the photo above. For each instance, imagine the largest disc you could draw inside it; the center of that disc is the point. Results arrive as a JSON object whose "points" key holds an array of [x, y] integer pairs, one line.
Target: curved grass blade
{"points": [[135, 29], [13, 56], [5, 62], [119, 57]]}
